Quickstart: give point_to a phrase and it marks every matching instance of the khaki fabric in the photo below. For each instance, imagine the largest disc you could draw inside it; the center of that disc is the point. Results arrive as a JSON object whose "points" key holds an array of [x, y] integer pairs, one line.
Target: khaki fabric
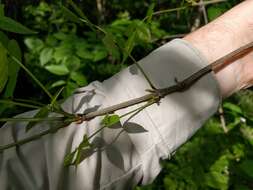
{"points": [[133, 157]]}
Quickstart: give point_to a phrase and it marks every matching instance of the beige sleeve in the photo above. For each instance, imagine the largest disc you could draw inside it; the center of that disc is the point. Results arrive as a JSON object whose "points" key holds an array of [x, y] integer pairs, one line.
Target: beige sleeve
{"points": [[133, 156]]}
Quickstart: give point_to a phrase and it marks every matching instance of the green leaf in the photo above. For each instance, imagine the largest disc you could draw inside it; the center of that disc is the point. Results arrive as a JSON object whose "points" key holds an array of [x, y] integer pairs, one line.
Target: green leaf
{"points": [[14, 50], [42, 113], [232, 107], [72, 63], [129, 46], [79, 78], [85, 54], [247, 167], [34, 44], [69, 158], [84, 150], [99, 55], [58, 83], [143, 32], [85, 142], [150, 12], [46, 55], [3, 67], [82, 154], [217, 180], [58, 69], [131, 127], [11, 25], [110, 120], [214, 12], [62, 52]]}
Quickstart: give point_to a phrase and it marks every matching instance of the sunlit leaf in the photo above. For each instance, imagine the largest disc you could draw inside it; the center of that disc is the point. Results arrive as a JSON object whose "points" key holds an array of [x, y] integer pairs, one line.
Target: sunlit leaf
{"points": [[69, 158], [58, 83], [82, 154], [34, 44], [217, 180], [110, 120], [214, 12], [85, 142], [58, 69], [46, 55], [143, 32], [232, 107]]}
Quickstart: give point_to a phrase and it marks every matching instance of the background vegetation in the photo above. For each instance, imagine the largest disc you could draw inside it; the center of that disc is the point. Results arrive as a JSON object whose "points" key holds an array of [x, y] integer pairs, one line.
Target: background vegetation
{"points": [[68, 52]]}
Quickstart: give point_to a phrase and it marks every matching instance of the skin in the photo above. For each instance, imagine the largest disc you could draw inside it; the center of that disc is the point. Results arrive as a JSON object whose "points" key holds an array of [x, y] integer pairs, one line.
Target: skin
{"points": [[222, 36]]}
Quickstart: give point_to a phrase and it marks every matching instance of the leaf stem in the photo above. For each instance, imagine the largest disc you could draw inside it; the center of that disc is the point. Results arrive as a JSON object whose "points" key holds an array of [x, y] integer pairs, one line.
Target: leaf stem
{"points": [[20, 119], [34, 137], [19, 104]]}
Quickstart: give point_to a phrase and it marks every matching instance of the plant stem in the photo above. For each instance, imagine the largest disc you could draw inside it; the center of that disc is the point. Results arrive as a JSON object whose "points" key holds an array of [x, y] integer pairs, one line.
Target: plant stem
{"points": [[19, 104], [184, 7], [19, 119], [34, 137], [28, 101]]}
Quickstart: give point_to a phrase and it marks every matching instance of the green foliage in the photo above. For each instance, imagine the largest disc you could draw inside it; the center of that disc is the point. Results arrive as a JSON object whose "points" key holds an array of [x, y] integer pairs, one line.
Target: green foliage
{"points": [[214, 12], [69, 51], [212, 159], [110, 120]]}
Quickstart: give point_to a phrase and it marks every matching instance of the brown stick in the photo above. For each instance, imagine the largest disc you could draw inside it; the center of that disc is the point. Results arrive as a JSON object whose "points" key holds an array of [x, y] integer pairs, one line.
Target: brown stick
{"points": [[180, 86]]}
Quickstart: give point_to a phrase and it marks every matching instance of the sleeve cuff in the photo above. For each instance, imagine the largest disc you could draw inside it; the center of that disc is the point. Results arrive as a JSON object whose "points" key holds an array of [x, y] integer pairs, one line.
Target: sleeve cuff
{"points": [[179, 115]]}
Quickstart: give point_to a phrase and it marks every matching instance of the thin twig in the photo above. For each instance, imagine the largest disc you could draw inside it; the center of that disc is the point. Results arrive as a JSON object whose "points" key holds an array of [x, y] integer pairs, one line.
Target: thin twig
{"points": [[156, 95], [203, 7], [180, 86], [19, 104], [222, 119], [185, 7]]}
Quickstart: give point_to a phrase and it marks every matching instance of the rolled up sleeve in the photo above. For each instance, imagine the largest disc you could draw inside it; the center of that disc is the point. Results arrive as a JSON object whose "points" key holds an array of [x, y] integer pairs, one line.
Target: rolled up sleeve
{"points": [[168, 125]]}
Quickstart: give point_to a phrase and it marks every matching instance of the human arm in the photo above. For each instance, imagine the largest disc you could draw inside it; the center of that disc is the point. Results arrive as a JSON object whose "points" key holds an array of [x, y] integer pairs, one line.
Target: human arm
{"points": [[222, 36]]}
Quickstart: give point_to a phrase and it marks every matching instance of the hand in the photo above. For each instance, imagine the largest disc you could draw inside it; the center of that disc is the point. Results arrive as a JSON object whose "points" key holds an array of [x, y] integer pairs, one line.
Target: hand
{"points": [[222, 36]]}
